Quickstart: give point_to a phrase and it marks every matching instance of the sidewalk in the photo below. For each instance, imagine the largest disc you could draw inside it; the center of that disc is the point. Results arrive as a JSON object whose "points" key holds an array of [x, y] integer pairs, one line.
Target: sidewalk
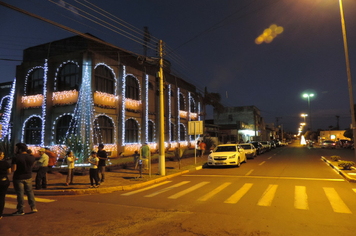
{"points": [[116, 179], [349, 175]]}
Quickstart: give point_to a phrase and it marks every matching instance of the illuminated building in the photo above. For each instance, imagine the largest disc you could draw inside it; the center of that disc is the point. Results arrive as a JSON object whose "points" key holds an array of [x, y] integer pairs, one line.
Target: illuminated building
{"points": [[100, 94]]}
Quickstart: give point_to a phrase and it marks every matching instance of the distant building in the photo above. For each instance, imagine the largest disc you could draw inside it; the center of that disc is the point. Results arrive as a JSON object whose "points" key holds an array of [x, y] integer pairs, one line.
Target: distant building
{"points": [[333, 135], [103, 94], [240, 124]]}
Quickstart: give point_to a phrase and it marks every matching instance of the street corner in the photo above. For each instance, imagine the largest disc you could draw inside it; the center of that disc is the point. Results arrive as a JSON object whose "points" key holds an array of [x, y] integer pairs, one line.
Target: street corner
{"points": [[348, 174]]}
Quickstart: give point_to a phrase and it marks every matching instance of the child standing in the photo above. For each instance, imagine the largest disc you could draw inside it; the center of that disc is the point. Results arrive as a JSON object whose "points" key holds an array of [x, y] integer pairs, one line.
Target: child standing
{"points": [[70, 162], [93, 172]]}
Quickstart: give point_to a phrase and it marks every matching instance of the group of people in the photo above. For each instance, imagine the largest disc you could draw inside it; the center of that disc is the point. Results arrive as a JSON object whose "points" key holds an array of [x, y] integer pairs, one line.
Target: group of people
{"points": [[22, 164]]}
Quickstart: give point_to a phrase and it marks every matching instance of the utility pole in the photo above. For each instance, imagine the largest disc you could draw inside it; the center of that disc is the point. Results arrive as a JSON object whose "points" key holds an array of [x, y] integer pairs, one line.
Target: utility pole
{"points": [[162, 158], [337, 122]]}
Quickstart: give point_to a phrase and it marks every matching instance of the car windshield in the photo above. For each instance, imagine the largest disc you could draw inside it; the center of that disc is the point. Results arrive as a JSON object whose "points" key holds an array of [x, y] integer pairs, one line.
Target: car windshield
{"points": [[226, 149], [246, 146]]}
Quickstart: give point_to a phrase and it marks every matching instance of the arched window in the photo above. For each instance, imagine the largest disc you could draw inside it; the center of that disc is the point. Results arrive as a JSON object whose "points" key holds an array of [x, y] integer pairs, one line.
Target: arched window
{"points": [[173, 136], [62, 128], [131, 131], [193, 108], [150, 86], [104, 130], [33, 130], [181, 102], [104, 80], [132, 89], [35, 82], [69, 77], [182, 132], [150, 134]]}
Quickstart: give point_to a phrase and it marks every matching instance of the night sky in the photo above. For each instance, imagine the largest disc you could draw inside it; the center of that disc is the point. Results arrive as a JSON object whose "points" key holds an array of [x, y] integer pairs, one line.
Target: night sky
{"points": [[213, 45]]}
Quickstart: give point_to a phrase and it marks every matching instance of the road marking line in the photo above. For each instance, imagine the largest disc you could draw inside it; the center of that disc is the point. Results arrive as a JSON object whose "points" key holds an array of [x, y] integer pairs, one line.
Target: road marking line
{"points": [[188, 190], [215, 191], [265, 177], [354, 189], [37, 199], [268, 195], [10, 205], [239, 194], [144, 189], [167, 189], [269, 158], [301, 198], [248, 173], [261, 163], [336, 202]]}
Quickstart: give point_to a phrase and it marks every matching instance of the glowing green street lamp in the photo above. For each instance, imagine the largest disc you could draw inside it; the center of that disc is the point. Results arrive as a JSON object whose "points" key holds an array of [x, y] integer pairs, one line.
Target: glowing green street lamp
{"points": [[309, 95]]}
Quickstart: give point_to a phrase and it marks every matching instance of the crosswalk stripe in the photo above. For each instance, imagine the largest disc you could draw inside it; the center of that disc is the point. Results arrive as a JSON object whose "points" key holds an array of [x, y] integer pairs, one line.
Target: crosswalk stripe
{"points": [[212, 193], [354, 189], [144, 189], [268, 195], [188, 190], [37, 199], [239, 194], [301, 198], [336, 202], [10, 205], [167, 189]]}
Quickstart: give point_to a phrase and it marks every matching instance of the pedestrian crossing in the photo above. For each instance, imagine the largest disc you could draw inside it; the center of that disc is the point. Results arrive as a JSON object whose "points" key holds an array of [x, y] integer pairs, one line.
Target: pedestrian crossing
{"points": [[265, 199], [11, 201]]}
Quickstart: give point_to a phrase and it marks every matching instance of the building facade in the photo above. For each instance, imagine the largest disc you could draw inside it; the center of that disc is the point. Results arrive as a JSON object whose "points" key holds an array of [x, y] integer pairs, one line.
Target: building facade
{"points": [[83, 89]]}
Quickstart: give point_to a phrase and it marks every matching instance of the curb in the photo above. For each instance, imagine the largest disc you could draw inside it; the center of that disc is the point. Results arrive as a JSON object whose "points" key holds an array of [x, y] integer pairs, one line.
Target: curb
{"points": [[340, 172], [106, 189]]}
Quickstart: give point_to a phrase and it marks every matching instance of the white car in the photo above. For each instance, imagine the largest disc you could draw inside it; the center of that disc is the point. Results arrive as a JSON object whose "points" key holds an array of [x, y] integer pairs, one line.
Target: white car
{"points": [[250, 150], [227, 154]]}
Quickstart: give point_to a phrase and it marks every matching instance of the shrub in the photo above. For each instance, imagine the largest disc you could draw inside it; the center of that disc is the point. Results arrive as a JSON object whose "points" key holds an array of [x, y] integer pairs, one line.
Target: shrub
{"points": [[346, 165], [335, 158], [209, 143]]}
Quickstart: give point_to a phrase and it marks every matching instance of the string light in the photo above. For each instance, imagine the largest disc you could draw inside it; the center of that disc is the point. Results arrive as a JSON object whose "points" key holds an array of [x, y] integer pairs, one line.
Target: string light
{"points": [[183, 114], [178, 97], [133, 104], [138, 128], [59, 68], [105, 99], [170, 112], [112, 121], [146, 109], [28, 74], [54, 125], [44, 102], [6, 117], [123, 105], [32, 101], [65, 97], [2, 100], [24, 126]]}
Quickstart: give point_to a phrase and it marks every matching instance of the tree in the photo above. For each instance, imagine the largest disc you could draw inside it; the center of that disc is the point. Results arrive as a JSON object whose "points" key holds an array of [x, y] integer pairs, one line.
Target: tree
{"points": [[348, 134]]}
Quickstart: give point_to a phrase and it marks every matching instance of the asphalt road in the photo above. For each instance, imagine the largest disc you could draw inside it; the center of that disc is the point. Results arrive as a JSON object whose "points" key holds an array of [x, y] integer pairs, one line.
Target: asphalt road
{"points": [[288, 191]]}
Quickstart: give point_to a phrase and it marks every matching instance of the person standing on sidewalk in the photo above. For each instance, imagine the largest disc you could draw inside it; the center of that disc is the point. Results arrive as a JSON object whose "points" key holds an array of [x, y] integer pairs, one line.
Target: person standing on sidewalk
{"points": [[145, 154], [202, 146], [22, 165], [93, 172], [70, 162], [41, 177], [52, 159], [5, 169], [102, 155]]}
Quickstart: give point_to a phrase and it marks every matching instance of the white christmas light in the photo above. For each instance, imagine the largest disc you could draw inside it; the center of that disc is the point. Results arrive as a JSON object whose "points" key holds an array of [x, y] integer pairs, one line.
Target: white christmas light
{"points": [[44, 102], [58, 69], [24, 126], [112, 71], [28, 74], [6, 117]]}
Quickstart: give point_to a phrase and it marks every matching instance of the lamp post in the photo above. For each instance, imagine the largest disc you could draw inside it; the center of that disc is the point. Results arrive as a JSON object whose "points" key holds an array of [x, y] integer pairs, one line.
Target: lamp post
{"points": [[309, 95], [348, 71], [304, 115]]}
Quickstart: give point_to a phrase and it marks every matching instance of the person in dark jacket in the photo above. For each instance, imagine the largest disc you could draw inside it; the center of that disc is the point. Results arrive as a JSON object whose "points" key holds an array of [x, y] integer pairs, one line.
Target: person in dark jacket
{"points": [[22, 165]]}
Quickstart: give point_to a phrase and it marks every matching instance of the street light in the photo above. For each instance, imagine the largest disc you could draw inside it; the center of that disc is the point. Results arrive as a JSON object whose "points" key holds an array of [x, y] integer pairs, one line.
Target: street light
{"points": [[304, 115], [309, 95], [348, 71]]}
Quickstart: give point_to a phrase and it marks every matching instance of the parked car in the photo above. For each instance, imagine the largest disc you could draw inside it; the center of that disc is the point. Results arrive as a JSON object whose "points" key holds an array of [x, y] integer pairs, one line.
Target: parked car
{"points": [[266, 145], [250, 150], [328, 144], [258, 146], [227, 154]]}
